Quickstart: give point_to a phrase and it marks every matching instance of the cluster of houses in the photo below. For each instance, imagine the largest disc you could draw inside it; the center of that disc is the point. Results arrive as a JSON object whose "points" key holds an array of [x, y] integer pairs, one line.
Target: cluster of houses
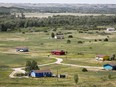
{"points": [[110, 66], [42, 73], [53, 52]]}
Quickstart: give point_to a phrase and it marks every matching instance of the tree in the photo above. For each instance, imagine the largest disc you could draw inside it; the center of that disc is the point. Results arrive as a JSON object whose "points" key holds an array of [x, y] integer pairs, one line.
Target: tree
{"points": [[109, 76], [68, 41], [3, 27], [34, 65], [22, 15], [70, 36], [106, 39], [76, 78], [52, 35], [112, 57], [84, 70], [31, 66], [28, 66]]}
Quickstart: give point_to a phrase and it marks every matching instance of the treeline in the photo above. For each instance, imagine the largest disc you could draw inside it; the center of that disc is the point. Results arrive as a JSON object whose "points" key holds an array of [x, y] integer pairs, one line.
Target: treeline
{"points": [[84, 10], [83, 22], [9, 10], [62, 8]]}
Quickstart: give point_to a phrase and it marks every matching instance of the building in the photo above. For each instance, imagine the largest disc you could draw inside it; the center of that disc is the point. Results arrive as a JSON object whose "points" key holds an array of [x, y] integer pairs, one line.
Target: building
{"points": [[59, 37], [102, 57], [57, 52], [109, 66], [41, 73], [110, 30], [22, 49]]}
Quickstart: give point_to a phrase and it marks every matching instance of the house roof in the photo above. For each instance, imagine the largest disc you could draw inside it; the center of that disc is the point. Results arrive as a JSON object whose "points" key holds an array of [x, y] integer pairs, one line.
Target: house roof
{"points": [[41, 71], [101, 55], [111, 64], [111, 28], [57, 51]]}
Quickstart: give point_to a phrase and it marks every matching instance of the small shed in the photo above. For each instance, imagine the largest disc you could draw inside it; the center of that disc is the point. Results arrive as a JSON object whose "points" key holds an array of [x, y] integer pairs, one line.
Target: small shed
{"points": [[62, 76], [59, 37], [41, 73], [109, 66], [110, 29], [102, 57], [22, 49], [58, 52]]}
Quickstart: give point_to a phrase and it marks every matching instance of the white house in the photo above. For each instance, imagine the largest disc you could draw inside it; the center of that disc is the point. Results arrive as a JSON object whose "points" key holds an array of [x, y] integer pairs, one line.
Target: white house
{"points": [[110, 30], [59, 37]]}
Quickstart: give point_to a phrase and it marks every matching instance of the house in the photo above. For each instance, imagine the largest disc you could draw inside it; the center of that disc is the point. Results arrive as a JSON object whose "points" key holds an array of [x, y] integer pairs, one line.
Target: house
{"points": [[41, 73], [109, 66], [22, 49], [102, 57], [57, 52], [59, 37], [110, 30]]}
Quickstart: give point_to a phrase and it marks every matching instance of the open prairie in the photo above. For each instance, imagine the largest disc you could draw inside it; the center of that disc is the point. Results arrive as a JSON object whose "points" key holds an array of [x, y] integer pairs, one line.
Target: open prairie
{"points": [[40, 45]]}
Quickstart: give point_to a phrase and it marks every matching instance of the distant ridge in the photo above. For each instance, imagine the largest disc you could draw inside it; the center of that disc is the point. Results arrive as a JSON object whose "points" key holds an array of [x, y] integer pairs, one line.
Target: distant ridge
{"points": [[63, 8]]}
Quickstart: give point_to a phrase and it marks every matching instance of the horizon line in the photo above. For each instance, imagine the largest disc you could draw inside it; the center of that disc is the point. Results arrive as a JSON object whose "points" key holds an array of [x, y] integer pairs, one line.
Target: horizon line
{"points": [[51, 3]]}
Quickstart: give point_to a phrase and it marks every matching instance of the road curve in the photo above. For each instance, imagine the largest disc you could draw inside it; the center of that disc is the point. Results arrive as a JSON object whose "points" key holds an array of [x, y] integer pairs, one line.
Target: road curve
{"points": [[21, 69], [58, 61]]}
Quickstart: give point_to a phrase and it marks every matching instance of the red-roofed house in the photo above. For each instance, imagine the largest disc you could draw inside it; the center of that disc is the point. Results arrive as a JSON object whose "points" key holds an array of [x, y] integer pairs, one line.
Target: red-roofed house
{"points": [[57, 52], [102, 57]]}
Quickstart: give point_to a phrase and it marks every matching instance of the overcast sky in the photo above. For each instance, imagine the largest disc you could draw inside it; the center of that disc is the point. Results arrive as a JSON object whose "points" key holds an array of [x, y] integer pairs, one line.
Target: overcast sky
{"points": [[61, 1]]}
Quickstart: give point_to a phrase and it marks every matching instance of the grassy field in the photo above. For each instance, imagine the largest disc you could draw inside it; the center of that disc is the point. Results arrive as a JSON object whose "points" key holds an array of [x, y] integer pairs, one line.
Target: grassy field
{"points": [[41, 15], [40, 44]]}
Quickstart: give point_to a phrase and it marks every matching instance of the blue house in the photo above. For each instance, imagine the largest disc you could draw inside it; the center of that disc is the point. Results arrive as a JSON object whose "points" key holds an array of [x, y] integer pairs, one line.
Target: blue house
{"points": [[109, 67], [41, 73]]}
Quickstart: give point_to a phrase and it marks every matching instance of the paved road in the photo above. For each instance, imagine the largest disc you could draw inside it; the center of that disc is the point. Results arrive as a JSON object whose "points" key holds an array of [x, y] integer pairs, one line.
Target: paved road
{"points": [[58, 61]]}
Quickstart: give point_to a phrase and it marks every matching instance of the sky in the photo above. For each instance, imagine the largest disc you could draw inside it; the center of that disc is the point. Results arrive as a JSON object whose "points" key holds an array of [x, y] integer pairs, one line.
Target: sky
{"points": [[61, 1]]}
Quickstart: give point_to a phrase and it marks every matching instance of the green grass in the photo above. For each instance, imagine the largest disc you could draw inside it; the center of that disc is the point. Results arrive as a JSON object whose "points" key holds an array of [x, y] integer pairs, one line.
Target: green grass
{"points": [[40, 45]]}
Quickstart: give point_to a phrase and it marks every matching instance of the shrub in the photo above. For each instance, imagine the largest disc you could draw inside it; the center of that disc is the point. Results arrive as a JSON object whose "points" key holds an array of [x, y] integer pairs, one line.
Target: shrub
{"points": [[68, 41], [68, 33], [80, 53], [90, 41], [80, 42], [23, 32], [95, 40], [76, 78], [100, 39], [108, 36], [84, 70], [70, 36], [106, 39], [109, 76], [80, 31], [19, 74]]}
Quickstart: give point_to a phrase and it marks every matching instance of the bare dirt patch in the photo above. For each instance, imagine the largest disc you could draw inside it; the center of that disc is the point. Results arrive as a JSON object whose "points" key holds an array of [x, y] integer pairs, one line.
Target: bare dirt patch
{"points": [[13, 39]]}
